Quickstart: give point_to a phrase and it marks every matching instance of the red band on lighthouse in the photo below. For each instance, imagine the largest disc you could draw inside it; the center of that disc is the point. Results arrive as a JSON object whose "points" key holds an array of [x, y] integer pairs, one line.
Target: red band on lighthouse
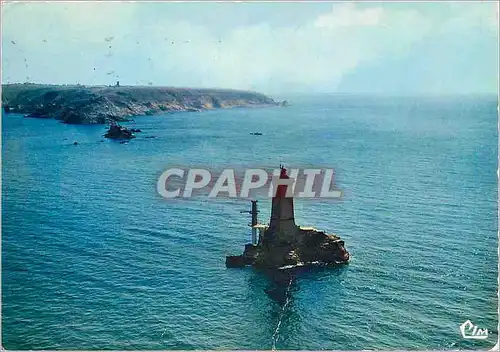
{"points": [[281, 191]]}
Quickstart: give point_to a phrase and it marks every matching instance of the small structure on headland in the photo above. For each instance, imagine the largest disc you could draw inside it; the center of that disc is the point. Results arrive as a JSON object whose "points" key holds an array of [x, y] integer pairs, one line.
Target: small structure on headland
{"points": [[116, 131], [283, 244]]}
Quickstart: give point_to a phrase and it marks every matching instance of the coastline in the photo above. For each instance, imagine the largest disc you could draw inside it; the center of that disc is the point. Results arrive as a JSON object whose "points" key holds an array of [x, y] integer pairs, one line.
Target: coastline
{"points": [[77, 104]]}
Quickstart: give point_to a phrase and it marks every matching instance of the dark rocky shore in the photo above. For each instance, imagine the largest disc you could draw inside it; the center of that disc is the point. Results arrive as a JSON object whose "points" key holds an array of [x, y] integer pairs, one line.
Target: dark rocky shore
{"points": [[303, 247], [103, 104]]}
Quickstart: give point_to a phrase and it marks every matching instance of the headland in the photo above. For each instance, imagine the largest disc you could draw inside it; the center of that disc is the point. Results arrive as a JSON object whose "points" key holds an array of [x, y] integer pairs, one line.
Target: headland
{"points": [[78, 104]]}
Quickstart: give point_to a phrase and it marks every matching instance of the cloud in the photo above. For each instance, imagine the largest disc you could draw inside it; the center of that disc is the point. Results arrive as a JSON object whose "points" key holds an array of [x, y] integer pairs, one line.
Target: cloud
{"points": [[313, 55], [468, 15], [66, 43], [345, 15]]}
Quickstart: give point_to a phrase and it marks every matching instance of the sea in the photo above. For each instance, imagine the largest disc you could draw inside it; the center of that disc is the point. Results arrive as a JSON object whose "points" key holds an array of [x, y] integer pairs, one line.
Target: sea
{"points": [[94, 258]]}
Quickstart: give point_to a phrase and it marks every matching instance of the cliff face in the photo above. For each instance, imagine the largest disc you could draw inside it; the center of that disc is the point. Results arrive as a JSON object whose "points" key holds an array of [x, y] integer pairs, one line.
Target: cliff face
{"points": [[90, 105]]}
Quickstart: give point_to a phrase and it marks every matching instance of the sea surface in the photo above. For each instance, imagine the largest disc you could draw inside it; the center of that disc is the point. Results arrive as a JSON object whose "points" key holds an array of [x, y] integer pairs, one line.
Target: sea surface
{"points": [[94, 258]]}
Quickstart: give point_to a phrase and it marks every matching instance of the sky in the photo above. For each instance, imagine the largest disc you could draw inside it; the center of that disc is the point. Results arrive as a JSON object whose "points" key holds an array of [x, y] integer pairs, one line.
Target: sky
{"points": [[430, 48]]}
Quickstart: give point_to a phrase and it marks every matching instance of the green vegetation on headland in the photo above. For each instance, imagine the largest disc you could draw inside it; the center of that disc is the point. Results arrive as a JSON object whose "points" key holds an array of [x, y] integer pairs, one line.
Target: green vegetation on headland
{"points": [[102, 104]]}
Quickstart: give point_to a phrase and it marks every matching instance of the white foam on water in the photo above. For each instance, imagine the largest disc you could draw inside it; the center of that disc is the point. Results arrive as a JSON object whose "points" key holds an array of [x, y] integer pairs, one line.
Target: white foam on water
{"points": [[282, 314]]}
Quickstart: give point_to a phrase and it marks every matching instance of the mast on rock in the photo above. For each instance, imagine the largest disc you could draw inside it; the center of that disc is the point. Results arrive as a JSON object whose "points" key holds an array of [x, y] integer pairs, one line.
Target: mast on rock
{"points": [[254, 224]]}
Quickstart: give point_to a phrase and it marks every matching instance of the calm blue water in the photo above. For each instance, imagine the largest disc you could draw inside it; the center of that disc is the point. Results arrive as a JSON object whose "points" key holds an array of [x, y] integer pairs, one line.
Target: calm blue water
{"points": [[93, 258]]}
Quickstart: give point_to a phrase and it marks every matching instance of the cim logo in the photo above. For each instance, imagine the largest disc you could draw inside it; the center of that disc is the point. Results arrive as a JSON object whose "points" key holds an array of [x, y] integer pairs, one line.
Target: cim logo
{"points": [[473, 332]]}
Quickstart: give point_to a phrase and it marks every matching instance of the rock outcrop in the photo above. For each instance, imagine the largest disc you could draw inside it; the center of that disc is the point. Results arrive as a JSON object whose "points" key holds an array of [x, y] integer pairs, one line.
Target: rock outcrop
{"points": [[101, 104], [118, 132]]}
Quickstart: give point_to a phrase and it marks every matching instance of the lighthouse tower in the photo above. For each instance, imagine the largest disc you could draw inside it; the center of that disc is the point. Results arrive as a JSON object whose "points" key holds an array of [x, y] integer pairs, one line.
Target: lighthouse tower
{"points": [[284, 244], [282, 222]]}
